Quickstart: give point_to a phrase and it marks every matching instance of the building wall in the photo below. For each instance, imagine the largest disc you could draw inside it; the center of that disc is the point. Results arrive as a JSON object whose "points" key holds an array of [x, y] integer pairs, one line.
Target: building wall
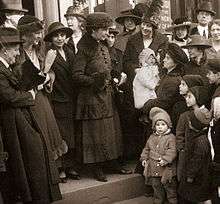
{"points": [[188, 8], [54, 10]]}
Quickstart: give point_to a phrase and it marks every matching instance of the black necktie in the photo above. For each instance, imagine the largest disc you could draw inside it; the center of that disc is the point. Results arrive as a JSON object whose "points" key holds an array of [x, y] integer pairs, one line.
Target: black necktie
{"points": [[204, 34]]}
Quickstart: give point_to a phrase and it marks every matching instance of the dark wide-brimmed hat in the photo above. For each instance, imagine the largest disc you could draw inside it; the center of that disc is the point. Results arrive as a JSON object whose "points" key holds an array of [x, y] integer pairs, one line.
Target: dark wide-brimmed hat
{"points": [[198, 41], [99, 20], [57, 27], [29, 23], [147, 19], [179, 22], [9, 36], [193, 80], [128, 14], [74, 11], [13, 5], [207, 7], [177, 53], [213, 65]]}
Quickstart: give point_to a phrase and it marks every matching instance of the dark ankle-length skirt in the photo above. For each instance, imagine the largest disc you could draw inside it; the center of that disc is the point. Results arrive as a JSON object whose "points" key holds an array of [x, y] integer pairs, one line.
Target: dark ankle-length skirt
{"points": [[99, 140]]}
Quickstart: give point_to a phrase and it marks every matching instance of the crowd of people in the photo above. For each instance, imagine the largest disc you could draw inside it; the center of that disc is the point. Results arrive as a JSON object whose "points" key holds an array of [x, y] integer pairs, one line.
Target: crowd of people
{"points": [[85, 96]]}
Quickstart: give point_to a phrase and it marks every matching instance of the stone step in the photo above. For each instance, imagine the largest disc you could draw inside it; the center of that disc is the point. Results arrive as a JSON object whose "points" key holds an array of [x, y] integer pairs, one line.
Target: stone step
{"points": [[89, 191], [138, 200]]}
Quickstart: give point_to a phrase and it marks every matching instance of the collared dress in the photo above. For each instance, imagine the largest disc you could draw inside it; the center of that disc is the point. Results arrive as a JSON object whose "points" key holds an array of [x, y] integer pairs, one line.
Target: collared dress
{"points": [[99, 134]]}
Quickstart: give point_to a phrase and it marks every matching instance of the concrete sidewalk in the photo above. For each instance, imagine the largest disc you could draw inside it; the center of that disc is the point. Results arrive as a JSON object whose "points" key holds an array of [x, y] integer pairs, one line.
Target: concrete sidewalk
{"points": [[138, 200]]}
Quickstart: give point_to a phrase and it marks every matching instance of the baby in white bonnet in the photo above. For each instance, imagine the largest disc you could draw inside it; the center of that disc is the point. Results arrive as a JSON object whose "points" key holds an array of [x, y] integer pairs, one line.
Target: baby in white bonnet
{"points": [[146, 79]]}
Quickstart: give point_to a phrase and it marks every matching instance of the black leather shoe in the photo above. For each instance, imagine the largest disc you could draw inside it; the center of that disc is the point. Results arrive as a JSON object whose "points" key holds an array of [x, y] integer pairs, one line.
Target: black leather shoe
{"points": [[63, 180], [99, 175], [73, 175], [124, 171]]}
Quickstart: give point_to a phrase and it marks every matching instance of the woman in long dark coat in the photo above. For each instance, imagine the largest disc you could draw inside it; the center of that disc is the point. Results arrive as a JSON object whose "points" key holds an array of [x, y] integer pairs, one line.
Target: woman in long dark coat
{"points": [[64, 94], [99, 123], [31, 32], [31, 175]]}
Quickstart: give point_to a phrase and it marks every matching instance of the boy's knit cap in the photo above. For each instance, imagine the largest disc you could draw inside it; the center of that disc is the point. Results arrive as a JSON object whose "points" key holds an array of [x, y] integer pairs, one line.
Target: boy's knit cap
{"points": [[157, 113]]}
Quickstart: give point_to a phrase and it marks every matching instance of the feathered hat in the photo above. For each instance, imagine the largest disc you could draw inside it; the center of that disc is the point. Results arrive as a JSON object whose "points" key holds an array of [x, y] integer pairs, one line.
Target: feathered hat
{"points": [[151, 12]]}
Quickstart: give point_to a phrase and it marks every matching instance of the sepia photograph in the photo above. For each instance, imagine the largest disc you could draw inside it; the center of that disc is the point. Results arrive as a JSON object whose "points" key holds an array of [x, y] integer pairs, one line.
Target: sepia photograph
{"points": [[109, 101]]}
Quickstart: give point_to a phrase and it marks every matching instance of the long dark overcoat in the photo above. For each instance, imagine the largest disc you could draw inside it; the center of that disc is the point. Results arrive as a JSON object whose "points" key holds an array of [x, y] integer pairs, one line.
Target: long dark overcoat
{"points": [[196, 163], [3, 155], [42, 111], [31, 170], [64, 96], [100, 126]]}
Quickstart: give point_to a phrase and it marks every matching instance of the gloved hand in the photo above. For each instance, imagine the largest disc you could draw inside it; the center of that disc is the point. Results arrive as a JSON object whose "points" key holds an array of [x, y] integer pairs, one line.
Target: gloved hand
{"points": [[99, 80], [189, 180]]}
